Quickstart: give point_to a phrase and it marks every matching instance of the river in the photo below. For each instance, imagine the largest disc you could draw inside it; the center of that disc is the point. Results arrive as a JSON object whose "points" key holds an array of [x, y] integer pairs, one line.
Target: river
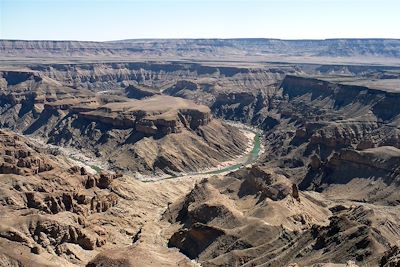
{"points": [[94, 165]]}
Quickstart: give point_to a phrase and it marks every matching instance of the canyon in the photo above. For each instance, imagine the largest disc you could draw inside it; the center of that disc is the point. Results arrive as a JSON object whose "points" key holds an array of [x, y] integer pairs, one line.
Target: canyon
{"points": [[169, 177]]}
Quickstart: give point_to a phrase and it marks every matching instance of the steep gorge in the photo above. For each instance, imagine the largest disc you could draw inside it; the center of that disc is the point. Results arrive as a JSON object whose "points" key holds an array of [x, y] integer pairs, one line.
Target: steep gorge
{"points": [[325, 190]]}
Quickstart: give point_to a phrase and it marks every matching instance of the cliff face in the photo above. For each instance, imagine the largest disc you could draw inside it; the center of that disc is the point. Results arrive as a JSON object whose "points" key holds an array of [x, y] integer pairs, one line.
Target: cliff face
{"points": [[242, 106], [139, 92], [380, 103], [120, 130], [8, 78], [233, 93], [180, 48], [324, 132], [350, 164], [344, 113], [169, 115], [108, 76]]}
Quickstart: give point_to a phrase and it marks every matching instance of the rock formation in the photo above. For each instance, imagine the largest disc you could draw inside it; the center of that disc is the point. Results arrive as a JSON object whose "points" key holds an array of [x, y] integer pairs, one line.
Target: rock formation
{"points": [[324, 191], [235, 49], [231, 221], [118, 129], [139, 92], [52, 218]]}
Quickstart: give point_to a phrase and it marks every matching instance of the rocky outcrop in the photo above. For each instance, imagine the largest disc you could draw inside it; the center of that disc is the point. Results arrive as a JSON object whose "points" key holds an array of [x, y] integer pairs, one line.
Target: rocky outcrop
{"points": [[114, 120], [17, 158], [295, 192], [382, 158], [181, 86], [242, 106], [103, 203], [194, 241], [360, 97], [391, 258], [349, 165], [363, 241], [52, 234], [75, 202], [9, 78], [72, 104], [264, 183], [139, 92], [105, 180], [52, 203], [50, 212], [219, 226], [168, 115], [69, 215]]}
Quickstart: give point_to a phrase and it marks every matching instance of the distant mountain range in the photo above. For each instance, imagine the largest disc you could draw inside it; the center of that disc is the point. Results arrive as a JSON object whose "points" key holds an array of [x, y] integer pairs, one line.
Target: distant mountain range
{"points": [[205, 48]]}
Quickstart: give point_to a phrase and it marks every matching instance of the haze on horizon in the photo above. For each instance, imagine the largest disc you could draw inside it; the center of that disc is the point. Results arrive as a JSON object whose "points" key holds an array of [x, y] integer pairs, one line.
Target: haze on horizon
{"points": [[102, 20]]}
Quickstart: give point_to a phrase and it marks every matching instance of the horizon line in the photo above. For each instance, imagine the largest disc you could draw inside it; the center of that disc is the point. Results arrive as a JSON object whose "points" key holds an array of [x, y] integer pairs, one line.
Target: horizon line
{"points": [[202, 38]]}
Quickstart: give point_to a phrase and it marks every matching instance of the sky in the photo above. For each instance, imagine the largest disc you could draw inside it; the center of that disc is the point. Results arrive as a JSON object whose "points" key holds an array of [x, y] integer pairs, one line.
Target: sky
{"points": [[105, 20]]}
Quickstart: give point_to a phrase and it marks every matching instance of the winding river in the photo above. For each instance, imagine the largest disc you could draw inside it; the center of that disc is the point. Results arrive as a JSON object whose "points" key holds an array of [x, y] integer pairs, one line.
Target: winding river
{"points": [[248, 159], [94, 166], [251, 157]]}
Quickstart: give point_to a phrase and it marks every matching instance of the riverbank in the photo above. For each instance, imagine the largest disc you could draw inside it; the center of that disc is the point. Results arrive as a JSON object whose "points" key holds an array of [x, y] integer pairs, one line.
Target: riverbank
{"points": [[250, 156], [93, 165]]}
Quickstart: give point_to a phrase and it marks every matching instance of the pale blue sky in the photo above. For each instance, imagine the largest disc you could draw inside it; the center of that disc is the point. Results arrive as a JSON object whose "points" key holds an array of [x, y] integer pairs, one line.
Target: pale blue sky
{"points": [[100, 20]]}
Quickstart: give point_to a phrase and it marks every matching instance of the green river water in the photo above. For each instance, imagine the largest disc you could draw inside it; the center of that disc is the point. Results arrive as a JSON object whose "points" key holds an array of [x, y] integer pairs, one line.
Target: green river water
{"points": [[251, 158]]}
